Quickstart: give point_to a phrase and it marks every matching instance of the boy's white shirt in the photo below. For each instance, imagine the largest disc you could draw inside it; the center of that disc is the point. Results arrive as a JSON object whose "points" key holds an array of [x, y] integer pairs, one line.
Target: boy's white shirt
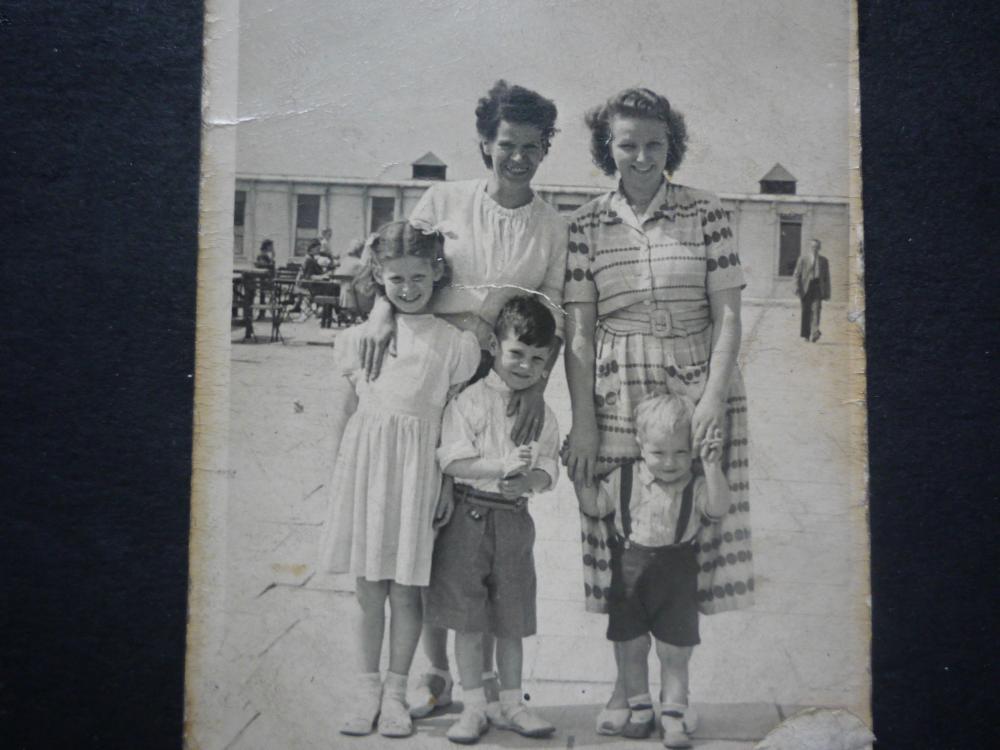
{"points": [[476, 425], [654, 509]]}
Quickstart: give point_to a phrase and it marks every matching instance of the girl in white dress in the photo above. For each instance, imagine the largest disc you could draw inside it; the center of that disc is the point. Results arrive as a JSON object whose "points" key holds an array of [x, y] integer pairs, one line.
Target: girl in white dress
{"points": [[386, 481]]}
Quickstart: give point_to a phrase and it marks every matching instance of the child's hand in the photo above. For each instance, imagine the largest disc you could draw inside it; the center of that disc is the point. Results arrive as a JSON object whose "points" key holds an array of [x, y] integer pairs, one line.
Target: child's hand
{"points": [[711, 447], [513, 487], [518, 461], [445, 505]]}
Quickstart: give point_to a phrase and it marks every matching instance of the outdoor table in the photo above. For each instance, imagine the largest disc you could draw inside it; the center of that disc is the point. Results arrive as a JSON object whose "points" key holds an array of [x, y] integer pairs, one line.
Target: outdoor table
{"points": [[250, 278], [322, 291]]}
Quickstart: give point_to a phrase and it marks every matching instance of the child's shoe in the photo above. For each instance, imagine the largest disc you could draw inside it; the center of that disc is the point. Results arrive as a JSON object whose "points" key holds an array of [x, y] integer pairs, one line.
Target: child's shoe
{"points": [[394, 717], [365, 706], [642, 720], [471, 725], [434, 691], [611, 721], [517, 717], [677, 723]]}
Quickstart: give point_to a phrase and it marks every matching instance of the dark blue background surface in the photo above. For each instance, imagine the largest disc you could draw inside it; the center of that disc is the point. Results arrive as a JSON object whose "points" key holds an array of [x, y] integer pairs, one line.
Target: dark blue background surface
{"points": [[99, 109]]}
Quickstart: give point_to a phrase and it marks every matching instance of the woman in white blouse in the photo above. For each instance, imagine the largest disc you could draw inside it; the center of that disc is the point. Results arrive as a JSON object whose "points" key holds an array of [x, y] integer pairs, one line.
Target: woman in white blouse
{"points": [[501, 240]]}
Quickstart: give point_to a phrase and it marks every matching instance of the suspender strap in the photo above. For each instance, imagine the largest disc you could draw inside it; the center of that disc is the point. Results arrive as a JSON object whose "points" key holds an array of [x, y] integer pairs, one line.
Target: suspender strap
{"points": [[687, 500], [625, 498]]}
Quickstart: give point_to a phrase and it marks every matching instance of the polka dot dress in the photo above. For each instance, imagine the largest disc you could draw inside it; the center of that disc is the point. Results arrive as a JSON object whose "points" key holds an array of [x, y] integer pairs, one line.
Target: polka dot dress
{"points": [[650, 279]]}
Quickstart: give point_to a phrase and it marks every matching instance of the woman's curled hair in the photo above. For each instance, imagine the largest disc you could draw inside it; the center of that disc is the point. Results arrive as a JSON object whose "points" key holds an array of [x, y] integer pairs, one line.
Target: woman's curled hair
{"points": [[514, 104], [639, 103]]}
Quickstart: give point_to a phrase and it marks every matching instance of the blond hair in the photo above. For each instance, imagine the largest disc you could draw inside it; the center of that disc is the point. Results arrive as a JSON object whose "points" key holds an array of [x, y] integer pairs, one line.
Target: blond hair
{"points": [[666, 411]]}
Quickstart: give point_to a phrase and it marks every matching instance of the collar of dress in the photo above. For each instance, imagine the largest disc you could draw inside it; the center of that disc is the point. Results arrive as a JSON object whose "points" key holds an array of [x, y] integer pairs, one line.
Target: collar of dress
{"points": [[618, 206]]}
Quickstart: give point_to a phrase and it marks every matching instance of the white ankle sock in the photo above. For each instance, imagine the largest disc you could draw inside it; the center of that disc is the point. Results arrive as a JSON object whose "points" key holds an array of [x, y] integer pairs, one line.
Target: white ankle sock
{"points": [[474, 697], [510, 697], [395, 685]]}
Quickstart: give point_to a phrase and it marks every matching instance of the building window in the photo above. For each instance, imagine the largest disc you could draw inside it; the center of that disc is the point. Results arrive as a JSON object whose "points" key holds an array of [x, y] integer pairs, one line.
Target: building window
{"points": [[428, 172], [383, 211], [239, 218], [306, 222], [790, 244]]}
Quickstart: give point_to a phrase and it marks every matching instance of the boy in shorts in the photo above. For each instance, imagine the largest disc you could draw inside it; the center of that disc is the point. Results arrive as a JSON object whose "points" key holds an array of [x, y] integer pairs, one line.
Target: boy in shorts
{"points": [[658, 505], [483, 574]]}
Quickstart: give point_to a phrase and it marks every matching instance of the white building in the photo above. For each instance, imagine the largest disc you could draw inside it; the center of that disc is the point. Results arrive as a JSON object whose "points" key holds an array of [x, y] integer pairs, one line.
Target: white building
{"points": [[771, 228]]}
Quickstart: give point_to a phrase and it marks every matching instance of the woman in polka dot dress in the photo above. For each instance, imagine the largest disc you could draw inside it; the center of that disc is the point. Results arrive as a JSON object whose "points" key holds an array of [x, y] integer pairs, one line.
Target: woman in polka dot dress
{"points": [[652, 294]]}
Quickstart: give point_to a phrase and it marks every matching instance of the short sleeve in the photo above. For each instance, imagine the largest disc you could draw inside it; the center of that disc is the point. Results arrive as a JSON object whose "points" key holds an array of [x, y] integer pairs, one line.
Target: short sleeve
{"points": [[426, 210], [459, 430], [548, 448], [723, 269], [465, 355], [578, 285], [552, 285]]}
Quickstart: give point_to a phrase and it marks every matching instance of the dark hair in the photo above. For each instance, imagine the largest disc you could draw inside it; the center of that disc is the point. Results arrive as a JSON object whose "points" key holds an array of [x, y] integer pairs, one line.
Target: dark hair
{"points": [[266, 245], [399, 239], [514, 104], [639, 103], [528, 319]]}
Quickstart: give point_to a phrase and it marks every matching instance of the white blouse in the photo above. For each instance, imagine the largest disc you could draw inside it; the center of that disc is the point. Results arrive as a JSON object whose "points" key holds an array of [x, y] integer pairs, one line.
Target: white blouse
{"points": [[495, 253]]}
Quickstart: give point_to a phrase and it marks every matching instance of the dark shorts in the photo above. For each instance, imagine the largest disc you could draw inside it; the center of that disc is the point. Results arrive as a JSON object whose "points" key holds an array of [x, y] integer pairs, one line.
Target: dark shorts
{"points": [[654, 590], [483, 574]]}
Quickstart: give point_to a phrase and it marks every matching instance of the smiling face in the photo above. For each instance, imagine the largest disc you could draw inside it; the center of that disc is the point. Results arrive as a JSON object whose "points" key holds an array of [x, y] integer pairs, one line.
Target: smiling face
{"points": [[519, 365], [667, 453], [516, 151], [639, 148], [408, 282]]}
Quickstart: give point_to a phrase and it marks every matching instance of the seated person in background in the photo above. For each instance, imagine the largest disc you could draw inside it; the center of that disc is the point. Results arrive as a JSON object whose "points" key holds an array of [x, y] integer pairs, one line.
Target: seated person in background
{"points": [[313, 266], [265, 259]]}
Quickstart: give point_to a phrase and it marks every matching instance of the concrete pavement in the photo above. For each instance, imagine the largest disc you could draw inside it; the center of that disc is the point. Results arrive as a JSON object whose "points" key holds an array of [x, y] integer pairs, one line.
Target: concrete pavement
{"points": [[287, 653]]}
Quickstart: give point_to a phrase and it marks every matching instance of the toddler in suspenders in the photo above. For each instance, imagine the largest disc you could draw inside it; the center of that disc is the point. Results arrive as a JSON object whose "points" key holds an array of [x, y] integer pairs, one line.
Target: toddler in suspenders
{"points": [[656, 505]]}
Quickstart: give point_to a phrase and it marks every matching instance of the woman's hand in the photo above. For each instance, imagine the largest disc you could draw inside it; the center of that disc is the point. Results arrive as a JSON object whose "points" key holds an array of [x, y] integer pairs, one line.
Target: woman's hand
{"points": [[709, 421], [579, 454], [529, 406], [378, 335]]}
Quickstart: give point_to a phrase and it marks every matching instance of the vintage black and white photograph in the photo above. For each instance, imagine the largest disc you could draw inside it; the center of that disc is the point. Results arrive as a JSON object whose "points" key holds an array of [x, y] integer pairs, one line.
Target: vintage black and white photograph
{"points": [[530, 390]]}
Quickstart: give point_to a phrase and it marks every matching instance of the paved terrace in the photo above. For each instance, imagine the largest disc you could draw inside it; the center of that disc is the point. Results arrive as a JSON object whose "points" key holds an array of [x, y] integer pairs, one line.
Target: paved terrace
{"points": [[287, 654]]}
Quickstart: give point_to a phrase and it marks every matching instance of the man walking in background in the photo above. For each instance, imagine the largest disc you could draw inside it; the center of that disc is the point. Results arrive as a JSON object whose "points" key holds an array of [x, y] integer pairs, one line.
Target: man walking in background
{"points": [[812, 286]]}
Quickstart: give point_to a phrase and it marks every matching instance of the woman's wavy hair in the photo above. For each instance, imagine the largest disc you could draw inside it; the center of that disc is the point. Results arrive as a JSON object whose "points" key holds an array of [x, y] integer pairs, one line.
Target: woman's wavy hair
{"points": [[514, 104], [640, 103]]}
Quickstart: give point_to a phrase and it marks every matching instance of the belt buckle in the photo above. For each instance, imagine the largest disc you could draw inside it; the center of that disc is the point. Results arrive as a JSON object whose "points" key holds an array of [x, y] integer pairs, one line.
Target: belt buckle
{"points": [[660, 323]]}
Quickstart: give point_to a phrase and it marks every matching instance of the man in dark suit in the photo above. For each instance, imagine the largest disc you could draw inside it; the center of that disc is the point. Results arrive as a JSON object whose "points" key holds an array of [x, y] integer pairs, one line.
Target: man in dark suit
{"points": [[812, 286]]}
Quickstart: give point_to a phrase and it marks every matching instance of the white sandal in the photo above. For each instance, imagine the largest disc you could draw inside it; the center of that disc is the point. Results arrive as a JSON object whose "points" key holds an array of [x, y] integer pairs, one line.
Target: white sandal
{"points": [[677, 724], [394, 718], [364, 710]]}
